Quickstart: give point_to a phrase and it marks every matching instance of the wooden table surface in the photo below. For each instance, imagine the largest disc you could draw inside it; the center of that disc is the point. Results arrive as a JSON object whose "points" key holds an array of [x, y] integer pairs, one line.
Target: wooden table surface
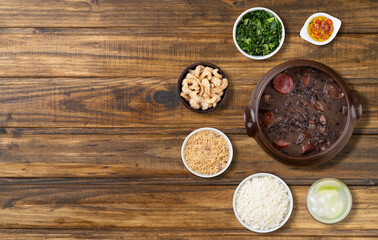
{"points": [[91, 127]]}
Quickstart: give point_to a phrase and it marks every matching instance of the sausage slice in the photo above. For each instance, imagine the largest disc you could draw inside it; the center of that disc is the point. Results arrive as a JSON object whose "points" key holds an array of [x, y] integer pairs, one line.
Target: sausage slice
{"points": [[333, 92], [283, 83], [306, 147], [281, 143], [305, 79], [266, 118]]}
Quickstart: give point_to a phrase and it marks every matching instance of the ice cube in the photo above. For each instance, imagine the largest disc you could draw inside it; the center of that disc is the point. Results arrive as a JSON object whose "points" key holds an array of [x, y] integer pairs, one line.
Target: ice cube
{"points": [[322, 212], [326, 212]]}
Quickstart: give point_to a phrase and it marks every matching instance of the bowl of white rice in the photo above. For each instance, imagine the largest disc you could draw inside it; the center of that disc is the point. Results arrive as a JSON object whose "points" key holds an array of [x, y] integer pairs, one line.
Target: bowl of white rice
{"points": [[263, 202]]}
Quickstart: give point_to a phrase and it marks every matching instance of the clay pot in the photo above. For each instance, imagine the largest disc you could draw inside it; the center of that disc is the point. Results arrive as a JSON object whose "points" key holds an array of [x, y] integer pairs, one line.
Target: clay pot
{"points": [[254, 129]]}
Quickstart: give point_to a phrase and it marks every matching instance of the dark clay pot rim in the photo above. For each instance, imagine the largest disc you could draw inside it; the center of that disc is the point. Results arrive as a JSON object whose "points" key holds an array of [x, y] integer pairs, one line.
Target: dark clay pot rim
{"points": [[181, 78], [306, 160]]}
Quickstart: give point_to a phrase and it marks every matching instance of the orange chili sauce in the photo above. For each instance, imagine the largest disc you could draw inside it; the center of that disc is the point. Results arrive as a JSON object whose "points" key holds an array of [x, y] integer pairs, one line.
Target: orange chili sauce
{"points": [[320, 28]]}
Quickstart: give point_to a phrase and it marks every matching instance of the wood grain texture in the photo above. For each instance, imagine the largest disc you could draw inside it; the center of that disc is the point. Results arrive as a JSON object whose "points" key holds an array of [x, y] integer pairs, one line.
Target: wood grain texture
{"points": [[135, 102], [69, 153], [166, 55], [110, 204], [91, 126], [123, 234], [357, 16]]}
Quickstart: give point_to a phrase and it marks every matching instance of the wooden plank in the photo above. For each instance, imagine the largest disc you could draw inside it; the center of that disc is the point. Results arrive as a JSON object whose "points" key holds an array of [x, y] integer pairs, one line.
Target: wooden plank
{"points": [[69, 153], [135, 102], [357, 17], [73, 204], [41, 234], [165, 56]]}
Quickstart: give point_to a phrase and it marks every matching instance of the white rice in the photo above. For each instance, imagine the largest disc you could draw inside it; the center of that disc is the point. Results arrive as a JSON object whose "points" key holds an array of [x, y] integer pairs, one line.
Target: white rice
{"points": [[262, 202]]}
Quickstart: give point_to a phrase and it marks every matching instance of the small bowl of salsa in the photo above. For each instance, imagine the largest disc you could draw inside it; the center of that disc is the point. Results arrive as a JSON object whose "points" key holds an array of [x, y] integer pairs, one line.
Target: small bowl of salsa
{"points": [[320, 28]]}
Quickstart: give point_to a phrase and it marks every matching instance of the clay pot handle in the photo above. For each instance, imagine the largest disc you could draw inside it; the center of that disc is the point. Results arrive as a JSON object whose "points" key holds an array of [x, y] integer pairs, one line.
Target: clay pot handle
{"points": [[250, 121], [356, 109]]}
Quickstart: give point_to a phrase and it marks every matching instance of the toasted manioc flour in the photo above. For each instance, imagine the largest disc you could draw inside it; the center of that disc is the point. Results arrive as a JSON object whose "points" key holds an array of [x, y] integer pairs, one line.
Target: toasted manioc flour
{"points": [[262, 202], [207, 152]]}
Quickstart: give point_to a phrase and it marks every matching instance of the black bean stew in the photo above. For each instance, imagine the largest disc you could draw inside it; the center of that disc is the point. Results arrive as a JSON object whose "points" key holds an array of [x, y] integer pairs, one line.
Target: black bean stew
{"points": [[303, 111]]}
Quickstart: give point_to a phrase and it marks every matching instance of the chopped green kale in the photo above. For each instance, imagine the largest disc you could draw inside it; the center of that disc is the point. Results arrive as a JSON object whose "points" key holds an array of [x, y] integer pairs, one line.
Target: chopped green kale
{"points": [[258, 33]]}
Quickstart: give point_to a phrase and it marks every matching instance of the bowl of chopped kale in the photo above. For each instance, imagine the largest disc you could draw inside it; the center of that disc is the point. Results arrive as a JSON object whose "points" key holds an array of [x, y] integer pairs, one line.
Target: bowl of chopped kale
{"points": [[258, 33]]}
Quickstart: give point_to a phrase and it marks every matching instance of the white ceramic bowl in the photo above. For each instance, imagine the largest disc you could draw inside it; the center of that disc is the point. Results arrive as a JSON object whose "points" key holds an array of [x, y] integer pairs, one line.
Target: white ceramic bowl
{"points": [[336, 27], [229, 147], [290, 204], [255, 56]]}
